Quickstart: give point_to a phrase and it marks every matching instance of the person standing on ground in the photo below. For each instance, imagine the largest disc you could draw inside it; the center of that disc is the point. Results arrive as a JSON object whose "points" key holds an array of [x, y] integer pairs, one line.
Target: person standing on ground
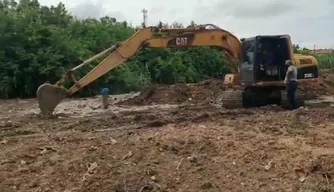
{"points": [[105, 95], [291, 82]]}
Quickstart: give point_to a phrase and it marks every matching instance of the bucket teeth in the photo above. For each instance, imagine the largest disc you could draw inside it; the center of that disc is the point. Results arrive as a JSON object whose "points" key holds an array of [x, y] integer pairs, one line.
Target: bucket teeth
{"points": [[48, 97]]}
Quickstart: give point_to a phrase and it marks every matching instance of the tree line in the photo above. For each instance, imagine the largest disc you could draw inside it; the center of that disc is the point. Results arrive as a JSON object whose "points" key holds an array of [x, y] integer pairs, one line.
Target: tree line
{"points": [[40, 43]]}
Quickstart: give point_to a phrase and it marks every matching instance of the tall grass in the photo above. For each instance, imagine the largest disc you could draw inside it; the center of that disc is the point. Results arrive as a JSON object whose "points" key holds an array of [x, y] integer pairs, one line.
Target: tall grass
{"points": [[326, 61]]}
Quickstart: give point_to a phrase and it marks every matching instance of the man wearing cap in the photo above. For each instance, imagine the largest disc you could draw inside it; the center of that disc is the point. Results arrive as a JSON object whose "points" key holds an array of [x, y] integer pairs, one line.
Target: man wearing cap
{"points": [[291, 82]]}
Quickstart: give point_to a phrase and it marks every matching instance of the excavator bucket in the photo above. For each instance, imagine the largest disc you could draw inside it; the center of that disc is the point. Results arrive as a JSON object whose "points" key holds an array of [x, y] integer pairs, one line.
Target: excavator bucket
{"points": [[48, 97]]}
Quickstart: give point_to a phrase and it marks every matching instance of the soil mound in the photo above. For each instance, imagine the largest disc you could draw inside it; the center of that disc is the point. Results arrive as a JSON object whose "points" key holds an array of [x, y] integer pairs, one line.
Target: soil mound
{"points": [[202, 92], [324, 87]]}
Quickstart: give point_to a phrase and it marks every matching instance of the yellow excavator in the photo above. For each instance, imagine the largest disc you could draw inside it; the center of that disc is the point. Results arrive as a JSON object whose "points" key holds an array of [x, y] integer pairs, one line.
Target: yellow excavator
{"points": [[254, 81]]}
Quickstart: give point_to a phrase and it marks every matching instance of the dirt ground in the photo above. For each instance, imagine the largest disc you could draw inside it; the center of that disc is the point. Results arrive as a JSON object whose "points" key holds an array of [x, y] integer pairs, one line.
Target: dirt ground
{"points": [[168, 138]]}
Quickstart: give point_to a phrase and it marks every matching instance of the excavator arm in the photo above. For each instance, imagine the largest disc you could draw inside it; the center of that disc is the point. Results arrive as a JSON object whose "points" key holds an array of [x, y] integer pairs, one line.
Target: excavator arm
{"points": [[49, 96]]}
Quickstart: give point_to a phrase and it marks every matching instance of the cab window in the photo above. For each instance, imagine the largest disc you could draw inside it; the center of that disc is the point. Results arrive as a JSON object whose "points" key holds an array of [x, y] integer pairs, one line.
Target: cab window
{"points": [[248, 52]]}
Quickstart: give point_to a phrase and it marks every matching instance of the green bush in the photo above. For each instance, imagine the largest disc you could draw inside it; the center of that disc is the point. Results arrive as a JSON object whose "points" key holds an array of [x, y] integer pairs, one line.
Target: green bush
{"points": [[41, 43]]}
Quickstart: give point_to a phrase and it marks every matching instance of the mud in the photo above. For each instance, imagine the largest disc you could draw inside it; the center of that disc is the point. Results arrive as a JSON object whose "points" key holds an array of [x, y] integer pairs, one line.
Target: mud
{"points": [[160, 145]]}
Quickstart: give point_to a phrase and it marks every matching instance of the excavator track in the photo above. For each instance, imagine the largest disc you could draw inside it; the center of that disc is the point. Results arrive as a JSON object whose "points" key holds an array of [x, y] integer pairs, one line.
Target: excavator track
{"points": [[300, 99], [232, 99]]}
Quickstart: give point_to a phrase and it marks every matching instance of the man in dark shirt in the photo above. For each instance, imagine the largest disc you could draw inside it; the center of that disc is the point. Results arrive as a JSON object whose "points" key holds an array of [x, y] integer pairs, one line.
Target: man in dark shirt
{"points": [[268, 63], [105, 95]]}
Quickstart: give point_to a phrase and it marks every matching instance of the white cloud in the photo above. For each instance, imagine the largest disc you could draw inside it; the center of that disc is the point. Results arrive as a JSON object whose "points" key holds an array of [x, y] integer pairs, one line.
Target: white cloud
{"points": [[309, 22]]}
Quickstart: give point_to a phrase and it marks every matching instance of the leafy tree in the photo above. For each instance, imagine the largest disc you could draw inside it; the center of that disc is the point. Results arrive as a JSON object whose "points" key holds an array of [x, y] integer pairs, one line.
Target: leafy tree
{"points": [[40, 43], [299, 50]]}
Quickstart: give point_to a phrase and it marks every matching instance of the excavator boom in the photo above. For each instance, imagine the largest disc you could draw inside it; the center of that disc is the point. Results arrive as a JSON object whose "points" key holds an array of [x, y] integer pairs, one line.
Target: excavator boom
{"points": [[49, 96]]}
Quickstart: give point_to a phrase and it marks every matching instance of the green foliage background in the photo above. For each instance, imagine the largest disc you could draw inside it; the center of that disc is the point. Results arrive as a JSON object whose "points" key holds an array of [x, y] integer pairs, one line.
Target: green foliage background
{"points": [[326, 61], [39, 44]]}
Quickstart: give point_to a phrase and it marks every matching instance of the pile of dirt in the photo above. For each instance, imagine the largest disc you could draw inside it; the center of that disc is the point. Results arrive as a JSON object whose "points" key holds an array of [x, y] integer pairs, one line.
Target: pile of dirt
{"points": [[323, 87], [327, 80], [314, 90], [202, 92]]}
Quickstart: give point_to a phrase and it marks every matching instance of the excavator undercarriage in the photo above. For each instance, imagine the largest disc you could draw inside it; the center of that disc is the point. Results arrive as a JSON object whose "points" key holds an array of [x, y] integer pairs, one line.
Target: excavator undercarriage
{"points": [[252, 97], [250, 84]]}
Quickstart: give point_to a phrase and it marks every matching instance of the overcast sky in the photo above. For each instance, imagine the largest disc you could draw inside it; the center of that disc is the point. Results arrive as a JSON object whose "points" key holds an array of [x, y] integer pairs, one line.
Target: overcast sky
{"points": [[308, 22]]}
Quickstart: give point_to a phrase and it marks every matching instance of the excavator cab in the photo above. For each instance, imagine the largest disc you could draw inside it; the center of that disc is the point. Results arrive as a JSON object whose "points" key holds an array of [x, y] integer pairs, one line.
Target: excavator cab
{"points": [[263, 59], [262, 71]]}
